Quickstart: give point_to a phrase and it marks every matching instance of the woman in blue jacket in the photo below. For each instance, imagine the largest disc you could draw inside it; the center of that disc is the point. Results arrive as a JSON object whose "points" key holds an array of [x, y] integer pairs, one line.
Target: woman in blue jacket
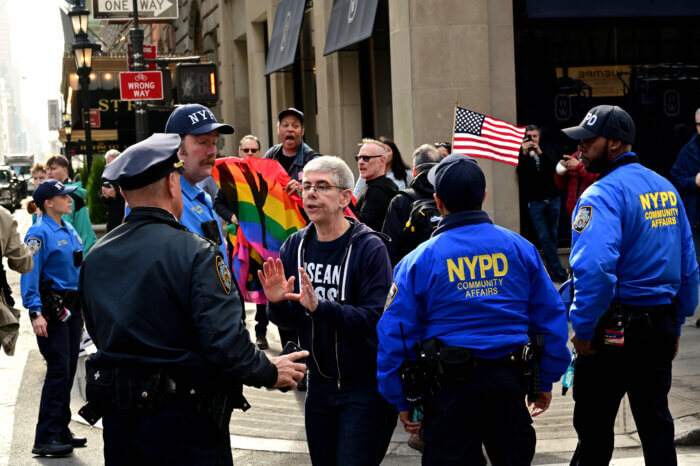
{"points": [[49, 291]]}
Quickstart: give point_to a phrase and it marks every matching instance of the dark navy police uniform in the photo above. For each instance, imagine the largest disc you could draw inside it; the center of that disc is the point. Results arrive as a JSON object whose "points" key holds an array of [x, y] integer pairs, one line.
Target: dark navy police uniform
{"points": [[478, 286], [634, 264], [54, 248], [160, 304]]}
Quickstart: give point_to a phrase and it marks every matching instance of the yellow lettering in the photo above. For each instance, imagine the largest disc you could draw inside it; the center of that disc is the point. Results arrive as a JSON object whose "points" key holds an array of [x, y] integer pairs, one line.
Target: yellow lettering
{"points": [[472, 266], [654, 197], [500, 271], [103, 105], [646, 205], [672, 198], [485, 263], [452, 269], [664, 198]]}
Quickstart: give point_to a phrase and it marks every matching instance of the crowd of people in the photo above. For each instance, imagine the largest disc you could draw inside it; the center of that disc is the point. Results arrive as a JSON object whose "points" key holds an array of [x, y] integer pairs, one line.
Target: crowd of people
{"points": [[400, 299]]}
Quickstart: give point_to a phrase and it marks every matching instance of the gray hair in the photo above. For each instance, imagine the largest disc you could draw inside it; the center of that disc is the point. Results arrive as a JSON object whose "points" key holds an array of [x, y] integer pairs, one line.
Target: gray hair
{"points": [[112, 153], [424, 157], [339, 170], [366, 141], [250, 137], [696, 113]]}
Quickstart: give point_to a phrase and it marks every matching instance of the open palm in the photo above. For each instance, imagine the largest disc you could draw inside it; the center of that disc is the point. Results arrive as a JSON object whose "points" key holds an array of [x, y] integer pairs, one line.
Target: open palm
{"points": [[273, 281]]}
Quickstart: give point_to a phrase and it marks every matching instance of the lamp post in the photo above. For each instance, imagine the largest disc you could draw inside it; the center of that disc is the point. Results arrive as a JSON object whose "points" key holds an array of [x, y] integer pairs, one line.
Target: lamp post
{"points": [[82, 51], [68, 129]]}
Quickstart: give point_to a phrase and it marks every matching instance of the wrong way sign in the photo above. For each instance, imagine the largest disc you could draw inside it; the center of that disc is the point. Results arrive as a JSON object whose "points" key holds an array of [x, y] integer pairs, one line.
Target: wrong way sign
{"points": [[141, 85], [123, 9]]}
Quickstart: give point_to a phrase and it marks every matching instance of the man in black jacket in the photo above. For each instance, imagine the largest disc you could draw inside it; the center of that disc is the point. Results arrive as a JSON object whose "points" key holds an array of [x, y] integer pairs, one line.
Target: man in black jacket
{"points": [[161, 307], [374, 198], [424, 158]]}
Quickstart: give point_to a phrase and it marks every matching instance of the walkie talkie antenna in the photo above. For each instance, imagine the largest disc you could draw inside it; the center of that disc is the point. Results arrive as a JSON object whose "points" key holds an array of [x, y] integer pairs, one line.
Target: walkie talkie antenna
{"points": [[403, 340]]}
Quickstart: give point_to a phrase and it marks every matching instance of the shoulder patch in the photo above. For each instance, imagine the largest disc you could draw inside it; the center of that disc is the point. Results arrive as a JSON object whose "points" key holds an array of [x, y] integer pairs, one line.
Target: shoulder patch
{"points": [[80, 241], [583, 217], [393, 291], [34, 244], [224, 274]]}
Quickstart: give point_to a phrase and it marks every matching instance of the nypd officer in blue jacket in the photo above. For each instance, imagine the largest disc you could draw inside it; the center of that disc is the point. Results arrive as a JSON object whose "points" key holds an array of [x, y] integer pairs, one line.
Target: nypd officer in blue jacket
{"points": [[481, 290], [636, 280], [199, 130], [49, 291]]}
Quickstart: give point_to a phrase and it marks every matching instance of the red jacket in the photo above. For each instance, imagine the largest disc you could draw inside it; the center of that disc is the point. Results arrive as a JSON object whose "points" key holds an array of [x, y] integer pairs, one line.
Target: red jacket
{"points": [[574, 183]]}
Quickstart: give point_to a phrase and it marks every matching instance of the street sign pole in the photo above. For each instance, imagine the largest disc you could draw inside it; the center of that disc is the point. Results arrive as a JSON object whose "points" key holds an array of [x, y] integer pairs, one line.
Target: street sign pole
{"points": [[139, 65]]}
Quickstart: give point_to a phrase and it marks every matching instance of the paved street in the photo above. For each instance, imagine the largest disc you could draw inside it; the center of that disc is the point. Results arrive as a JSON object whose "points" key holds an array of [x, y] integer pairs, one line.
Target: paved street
{"points": [[272, 431]]}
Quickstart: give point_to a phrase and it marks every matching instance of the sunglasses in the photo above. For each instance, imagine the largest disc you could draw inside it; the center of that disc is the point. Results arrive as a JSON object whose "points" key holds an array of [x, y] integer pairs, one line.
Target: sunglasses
{"points": [[365, 158], [250, 150], [446, 145]]}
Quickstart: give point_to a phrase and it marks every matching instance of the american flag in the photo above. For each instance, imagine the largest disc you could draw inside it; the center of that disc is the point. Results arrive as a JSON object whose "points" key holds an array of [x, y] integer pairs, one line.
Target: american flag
{"points": [[480, 136]]}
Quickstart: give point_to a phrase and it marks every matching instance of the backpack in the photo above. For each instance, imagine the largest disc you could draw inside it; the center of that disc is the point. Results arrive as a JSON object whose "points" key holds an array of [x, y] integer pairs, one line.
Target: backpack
{"points": [[421, 223]]}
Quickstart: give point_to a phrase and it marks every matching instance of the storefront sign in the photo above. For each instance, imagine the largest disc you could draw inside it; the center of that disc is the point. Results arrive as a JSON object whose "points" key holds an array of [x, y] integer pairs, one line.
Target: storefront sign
{"points": [[605, 81]]}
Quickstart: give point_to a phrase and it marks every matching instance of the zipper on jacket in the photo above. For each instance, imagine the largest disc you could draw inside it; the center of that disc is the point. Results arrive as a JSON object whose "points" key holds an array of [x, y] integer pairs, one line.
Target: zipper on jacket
{"points": [[337, 360]]}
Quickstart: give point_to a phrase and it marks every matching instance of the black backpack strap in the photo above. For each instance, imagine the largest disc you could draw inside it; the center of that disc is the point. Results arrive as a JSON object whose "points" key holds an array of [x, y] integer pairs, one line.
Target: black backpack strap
{"points": [[410, 193]]}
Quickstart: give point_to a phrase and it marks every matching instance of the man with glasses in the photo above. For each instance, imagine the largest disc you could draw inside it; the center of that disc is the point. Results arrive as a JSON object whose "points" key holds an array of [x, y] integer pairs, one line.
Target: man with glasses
{"points": [[374, 199], [330, 283]]}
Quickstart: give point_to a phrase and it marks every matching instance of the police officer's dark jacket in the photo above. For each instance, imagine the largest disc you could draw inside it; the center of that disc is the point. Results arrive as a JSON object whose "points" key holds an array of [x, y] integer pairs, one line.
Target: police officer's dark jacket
{"points": [[342, 332], [156, 294]]}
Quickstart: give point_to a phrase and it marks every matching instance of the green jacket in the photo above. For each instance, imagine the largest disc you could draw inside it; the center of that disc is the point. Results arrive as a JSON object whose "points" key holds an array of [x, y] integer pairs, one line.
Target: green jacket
{"points": [[80, 217]]}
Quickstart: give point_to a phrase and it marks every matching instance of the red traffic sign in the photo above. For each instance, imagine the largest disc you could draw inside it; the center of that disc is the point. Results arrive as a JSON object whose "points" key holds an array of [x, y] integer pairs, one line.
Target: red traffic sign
{"points": [[149, 53], [95, 118], [141, 85]]}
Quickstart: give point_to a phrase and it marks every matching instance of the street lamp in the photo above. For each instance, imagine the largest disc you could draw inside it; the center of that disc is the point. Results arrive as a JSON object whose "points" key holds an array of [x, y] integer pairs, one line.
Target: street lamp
{"points": [[82, 51], [68, 129]]}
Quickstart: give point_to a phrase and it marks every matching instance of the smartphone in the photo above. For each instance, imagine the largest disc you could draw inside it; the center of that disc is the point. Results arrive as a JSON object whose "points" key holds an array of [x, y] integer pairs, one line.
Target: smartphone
{"points": [[291, 347]]}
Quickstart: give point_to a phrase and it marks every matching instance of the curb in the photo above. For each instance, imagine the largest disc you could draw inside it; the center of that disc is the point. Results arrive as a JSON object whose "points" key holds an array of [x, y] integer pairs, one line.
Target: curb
{"points": [[687, 431]]}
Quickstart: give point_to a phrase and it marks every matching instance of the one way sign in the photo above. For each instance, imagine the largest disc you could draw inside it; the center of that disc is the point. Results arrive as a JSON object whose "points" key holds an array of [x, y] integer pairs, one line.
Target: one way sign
{"points": [[123, 9]]}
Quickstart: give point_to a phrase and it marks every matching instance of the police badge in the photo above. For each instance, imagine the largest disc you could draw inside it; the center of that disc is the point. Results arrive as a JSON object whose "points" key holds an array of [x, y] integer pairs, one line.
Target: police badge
{"points": [[34, 244], [583, 216], [224, 274]]}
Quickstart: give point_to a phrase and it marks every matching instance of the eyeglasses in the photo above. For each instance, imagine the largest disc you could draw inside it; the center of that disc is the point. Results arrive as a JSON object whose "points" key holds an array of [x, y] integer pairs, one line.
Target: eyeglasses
{"points": [[250, 150], [446, 145], [319, 188], [365, 158]]}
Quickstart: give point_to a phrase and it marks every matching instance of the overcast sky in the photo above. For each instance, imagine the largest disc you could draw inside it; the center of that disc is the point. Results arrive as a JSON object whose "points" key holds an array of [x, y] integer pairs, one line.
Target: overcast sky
{"points": [[37, 50]]}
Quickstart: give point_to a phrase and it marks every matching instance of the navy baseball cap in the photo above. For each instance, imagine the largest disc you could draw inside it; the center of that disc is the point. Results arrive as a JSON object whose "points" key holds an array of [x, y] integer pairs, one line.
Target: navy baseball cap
{"points": [[458, 181], [609, 121], [50, 188], [291, 111], [194, 119], [145, 162]]}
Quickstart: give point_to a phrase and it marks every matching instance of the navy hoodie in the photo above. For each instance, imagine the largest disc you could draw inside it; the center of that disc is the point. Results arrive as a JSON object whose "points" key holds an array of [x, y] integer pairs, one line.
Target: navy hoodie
{"points": [[341, 336]]}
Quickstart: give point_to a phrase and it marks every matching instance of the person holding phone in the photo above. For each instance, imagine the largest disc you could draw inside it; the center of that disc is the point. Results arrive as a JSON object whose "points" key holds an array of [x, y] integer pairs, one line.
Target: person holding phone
{"points": [[50, 293]]}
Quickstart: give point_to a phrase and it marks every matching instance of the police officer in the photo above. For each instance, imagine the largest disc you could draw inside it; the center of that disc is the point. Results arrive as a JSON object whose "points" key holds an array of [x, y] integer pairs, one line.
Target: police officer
{"points": [[480, 290], [49, 291], [197, 126], [636, 279], [165, 317]]}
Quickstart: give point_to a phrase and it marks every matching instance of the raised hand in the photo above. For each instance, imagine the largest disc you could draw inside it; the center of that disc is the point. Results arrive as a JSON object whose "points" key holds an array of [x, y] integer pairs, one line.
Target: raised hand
{"points": [[273, 281], [307, 296]]}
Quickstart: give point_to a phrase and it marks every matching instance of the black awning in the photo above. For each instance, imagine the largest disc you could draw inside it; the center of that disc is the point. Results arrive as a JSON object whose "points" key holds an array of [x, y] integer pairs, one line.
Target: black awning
{"points": [[285, 35], [351, 22], [611, 9]]}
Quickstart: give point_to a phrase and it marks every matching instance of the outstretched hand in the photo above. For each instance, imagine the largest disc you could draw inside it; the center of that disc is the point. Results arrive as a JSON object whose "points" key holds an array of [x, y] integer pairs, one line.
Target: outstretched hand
{"points": [[273, 281], [307, 296]]}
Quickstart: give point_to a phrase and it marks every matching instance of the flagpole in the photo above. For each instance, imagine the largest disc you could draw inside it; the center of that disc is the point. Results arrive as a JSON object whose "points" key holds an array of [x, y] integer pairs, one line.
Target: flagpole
{"points": [[454, 123]]}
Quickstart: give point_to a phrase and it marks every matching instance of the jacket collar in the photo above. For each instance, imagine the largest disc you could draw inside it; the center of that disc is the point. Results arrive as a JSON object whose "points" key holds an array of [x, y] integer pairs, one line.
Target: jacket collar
{"points": [[624, 159], [51, 223], [458, 219], [154, 214], [188, 190]]}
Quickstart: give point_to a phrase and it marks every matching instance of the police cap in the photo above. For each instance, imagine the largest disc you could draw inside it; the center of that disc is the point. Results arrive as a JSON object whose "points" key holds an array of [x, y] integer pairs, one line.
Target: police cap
{"points": [[145, 162], [459, 182], [609, 121], [48, 189], [194, 119]]}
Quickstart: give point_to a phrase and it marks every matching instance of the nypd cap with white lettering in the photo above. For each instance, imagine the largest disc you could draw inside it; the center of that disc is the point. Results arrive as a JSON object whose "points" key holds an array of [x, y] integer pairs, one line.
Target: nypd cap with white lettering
{"points": [[145, 162], [459, 182], [48, 189], [194, 119], [609, 121]]}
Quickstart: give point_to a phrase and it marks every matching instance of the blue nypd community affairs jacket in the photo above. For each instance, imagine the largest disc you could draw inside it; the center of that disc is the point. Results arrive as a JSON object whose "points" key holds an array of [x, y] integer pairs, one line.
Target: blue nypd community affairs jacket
{"points": [[631, 243], [474, 285]]}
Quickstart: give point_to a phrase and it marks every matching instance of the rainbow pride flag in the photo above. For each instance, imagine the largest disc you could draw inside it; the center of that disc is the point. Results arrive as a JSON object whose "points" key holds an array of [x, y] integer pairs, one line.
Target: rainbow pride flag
{"points": [[254, 188]]}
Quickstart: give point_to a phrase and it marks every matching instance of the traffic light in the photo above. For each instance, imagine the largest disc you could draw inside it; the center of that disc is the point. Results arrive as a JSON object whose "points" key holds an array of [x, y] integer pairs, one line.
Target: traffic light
{"points": [[196, 82]]}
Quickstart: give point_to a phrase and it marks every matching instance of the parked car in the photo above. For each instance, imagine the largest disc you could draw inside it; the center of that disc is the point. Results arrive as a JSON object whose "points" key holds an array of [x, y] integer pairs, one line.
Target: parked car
{"points": [[10, 188]]}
